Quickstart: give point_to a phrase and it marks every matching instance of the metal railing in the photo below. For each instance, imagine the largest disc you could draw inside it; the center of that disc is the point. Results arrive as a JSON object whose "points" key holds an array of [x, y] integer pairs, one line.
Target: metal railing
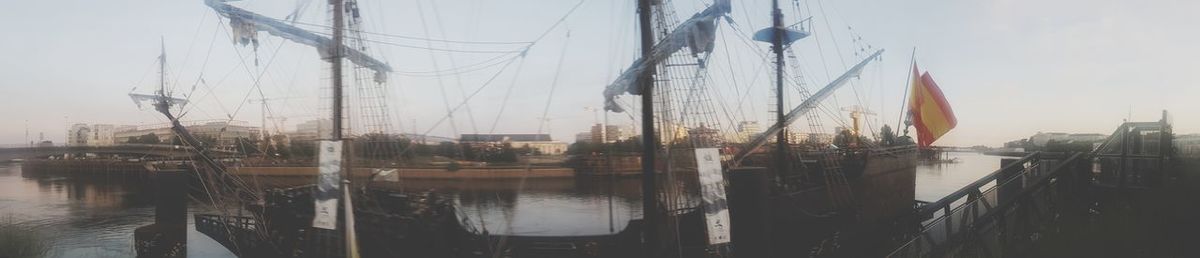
{"points": [[1134, 156], [1014, 201], [238, 234]]}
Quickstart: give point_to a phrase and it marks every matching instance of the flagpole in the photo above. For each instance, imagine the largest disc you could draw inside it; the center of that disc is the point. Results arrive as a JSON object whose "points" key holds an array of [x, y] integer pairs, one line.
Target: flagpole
{"points": [[907, 84]]}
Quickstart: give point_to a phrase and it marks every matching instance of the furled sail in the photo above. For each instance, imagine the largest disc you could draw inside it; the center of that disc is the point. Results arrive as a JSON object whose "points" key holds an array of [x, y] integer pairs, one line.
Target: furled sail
{"points": [[246, 25], [697, 33]]}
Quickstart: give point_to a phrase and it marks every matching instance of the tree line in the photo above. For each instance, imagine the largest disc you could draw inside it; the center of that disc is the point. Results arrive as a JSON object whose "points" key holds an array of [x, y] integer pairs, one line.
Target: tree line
{"points": [[370, 146]]}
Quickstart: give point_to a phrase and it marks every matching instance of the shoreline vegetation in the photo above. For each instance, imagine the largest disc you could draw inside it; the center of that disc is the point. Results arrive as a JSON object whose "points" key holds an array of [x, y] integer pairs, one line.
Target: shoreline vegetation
{"points": [[17, 241]]}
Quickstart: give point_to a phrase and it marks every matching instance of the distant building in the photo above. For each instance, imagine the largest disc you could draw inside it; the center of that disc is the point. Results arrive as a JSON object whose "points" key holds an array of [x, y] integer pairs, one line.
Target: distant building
{"points": [[427, 139], [607, 133], [311, 130], [746, 130], [163, 132], [541, 142], [820, 138], [614, 133], [584, 137], [596, 134], [1188, 145], [706, 135], [223, 133], [504, 137], [1086, 137], [673, 132], [548, 147], [226, 133], [1041, 138], [91, 135], [797, 136], [78, 135], [103, 135]]}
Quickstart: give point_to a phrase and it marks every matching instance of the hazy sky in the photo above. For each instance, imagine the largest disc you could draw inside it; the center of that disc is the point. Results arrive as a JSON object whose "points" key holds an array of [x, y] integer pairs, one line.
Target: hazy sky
{"points": [[1008, 68]]}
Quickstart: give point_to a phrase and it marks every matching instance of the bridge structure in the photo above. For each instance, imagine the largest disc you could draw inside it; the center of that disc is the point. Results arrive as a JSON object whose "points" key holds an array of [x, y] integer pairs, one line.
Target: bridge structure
{"points": [[153, 151], [1013, 209]]}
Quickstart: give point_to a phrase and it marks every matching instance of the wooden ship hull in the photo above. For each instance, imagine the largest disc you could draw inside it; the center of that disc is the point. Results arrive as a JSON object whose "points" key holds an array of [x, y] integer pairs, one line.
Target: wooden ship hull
{"points": [[830, 210]]}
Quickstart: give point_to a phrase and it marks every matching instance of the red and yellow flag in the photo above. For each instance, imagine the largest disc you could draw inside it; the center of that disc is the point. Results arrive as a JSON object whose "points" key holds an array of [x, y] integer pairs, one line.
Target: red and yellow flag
{"points": [[930, 113]]}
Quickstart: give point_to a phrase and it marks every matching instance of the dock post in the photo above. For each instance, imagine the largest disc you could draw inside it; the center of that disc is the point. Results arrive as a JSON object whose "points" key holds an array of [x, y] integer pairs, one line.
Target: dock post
{"points": [[749, 211], [1007, 192], [167, 237]]}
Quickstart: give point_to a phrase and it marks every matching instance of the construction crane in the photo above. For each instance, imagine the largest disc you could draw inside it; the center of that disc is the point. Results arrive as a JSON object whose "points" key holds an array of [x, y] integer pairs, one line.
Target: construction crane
{"points": [[266, 137], [595, 113], [856, 115]]}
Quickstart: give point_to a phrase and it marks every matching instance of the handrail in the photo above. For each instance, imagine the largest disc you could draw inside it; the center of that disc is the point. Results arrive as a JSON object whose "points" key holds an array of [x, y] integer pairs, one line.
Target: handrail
{"points": [[1045, 179], [940, 204], [989, 214]]}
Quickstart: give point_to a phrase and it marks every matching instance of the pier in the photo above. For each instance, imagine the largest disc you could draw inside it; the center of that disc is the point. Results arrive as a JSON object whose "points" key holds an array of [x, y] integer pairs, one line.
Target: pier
{"points": [[1069, 204]]}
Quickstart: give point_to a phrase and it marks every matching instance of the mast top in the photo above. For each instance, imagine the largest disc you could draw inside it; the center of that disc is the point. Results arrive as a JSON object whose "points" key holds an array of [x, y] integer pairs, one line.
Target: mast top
{"points": [[789, 34], [162, 67]]}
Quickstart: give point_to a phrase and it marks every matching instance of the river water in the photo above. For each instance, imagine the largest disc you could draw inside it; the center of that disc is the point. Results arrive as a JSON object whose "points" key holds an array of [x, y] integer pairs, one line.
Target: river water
{"points": [[935, 181], [96, 217], [92, 218]]}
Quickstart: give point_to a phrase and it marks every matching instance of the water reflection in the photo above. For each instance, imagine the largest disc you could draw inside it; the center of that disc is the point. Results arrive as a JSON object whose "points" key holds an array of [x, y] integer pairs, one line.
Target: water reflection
{"points": [[85, 218], [96, 217], [935, 181], [585, 206]]}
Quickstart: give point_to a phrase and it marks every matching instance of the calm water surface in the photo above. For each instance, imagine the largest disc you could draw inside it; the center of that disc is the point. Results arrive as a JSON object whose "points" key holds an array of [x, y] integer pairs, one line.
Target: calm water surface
{"points": [[96, 217], [935, 181]]}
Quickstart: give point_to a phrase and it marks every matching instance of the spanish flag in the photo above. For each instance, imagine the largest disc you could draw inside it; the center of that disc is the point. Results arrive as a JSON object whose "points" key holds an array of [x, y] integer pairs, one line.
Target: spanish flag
{"points": [[928, 109]]}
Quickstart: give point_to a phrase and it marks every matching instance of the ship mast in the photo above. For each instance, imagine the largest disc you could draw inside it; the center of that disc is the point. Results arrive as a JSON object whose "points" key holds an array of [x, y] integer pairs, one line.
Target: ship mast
{"points": [[649, 140], [162, 68], [336, 54], [777, 42], [336, 61]]}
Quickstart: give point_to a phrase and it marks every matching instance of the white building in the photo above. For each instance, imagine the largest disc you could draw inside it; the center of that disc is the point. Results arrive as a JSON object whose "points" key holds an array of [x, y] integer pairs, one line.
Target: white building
{"points": [[544, 147], [127, 134], [541, 142], [91, 135], [1041, 138], [820, 138], [312, 129], [1188, 145], [78, 135], [223, 133]]}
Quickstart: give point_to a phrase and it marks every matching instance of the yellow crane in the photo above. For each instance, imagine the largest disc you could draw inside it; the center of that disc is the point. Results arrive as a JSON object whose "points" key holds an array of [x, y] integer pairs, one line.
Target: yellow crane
{"points": [[856, 115]]}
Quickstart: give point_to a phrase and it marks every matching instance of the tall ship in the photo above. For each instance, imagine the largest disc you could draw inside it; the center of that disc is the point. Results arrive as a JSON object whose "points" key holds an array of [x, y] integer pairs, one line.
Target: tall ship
{"points": [[782, 192], [712, 184]]}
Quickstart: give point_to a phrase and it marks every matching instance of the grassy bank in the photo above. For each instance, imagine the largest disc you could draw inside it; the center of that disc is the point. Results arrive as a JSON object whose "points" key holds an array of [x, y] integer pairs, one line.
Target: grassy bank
{"points": [[18, 242]]}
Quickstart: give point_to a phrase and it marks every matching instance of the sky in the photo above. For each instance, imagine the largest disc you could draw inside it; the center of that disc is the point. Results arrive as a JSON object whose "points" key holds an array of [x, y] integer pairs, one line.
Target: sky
{"points": [[1008, 68]]}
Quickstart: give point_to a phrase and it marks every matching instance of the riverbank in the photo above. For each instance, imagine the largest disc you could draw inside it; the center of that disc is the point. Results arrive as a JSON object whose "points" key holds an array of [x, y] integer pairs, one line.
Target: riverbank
{"points": [[418, 173], [117, 167]]}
